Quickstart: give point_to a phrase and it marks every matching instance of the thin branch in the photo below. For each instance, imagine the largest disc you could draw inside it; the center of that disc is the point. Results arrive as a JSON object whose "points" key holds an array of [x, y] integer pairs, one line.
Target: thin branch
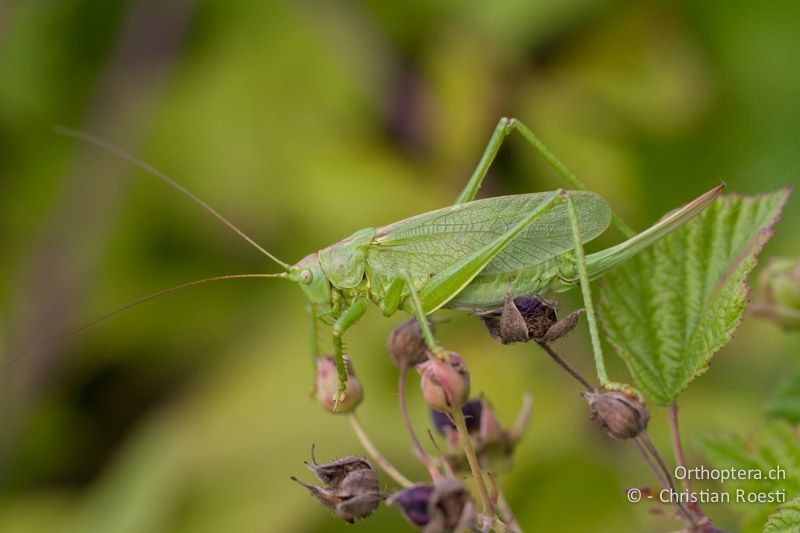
{"points": [[448, 467], [563, 364], [677, 445], [506, 512], [375, 454], [421, 453], [657, 471], [650, 447], [680, 458]]}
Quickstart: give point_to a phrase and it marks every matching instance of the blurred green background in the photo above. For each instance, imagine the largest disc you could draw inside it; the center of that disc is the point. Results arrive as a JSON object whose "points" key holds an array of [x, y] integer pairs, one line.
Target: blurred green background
{"points": [[304, 121]]}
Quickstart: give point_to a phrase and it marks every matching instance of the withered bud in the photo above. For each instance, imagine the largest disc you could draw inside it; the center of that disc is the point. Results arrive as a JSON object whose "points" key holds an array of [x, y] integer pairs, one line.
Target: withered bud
{"points": [[406, 344], [527, 318], [445, 382], [622, 413], [351, 486], [443, 507], [327, 386]]}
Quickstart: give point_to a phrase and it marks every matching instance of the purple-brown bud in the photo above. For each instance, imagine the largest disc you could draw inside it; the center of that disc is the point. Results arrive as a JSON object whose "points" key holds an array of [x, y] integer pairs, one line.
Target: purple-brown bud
{"points": [[406, 344], [327, 386], [482, 422], [351, 486], [622, 413], [526, 318], [445, 382], [490, 439], [443, 507]]}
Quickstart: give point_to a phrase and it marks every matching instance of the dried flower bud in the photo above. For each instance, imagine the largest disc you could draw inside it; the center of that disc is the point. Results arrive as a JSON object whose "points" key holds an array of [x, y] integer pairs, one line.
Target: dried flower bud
{"points": [[445, 382], [351, 486], [443, 507], [406, 344], [525, 318], [327, 386], [779, 287], [622, 412]]}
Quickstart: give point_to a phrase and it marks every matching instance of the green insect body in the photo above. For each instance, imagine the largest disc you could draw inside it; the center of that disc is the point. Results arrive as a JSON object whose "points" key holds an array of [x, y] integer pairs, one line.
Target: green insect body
{"points": [[464, 257], [467, 256]]}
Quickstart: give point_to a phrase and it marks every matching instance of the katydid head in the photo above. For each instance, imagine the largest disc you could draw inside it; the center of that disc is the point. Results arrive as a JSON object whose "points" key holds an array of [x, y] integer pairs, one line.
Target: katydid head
{"points": [[308, 273]]}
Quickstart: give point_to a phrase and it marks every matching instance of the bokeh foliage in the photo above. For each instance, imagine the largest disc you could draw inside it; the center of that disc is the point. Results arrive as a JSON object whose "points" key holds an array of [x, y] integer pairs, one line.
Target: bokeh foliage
{"points": [[304, 121]]}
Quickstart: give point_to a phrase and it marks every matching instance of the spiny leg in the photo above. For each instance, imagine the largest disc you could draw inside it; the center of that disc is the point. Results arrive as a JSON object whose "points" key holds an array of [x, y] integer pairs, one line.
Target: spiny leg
{"points": [[504, 127], [586, 291], [348, 318], [422, 319]]}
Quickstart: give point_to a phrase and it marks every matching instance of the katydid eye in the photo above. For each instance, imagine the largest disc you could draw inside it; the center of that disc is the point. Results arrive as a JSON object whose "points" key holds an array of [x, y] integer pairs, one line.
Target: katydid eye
{"points": [[306, 276]]}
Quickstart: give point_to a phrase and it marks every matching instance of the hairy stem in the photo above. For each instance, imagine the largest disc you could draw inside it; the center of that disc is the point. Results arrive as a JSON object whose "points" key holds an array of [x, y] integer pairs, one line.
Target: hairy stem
{"points": [[421, 453], [375, 454], [472, 459]]}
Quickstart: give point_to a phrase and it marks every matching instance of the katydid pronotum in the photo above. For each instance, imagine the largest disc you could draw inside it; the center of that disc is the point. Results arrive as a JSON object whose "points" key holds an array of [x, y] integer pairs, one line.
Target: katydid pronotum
{"points": [[466, 257]]}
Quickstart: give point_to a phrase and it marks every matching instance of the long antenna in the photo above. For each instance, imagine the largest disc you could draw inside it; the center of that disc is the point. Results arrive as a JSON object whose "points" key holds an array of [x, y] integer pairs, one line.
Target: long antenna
{"points": [[150, 169], [96, 322]]}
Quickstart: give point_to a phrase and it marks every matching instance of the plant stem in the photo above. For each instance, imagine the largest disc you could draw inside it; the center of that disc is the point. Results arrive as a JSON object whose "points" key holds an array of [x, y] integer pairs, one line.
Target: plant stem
{"points": [[677, 445], [650, 447], [421, 453], [563, 364], [680, 458], [506, 512], [657, 471], [472, 459], [587, 292], [376, 456], [448, 468]]}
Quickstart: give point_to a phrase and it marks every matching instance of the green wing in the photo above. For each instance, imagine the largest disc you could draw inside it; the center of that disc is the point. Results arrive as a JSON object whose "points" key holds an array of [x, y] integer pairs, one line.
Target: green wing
{"points": [[432, 242]]}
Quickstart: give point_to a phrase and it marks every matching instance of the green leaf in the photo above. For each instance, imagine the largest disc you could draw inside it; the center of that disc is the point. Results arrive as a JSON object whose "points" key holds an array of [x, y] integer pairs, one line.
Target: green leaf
{"points": [[784, 403], [786, 518], [670, 308], [776, 445]]}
